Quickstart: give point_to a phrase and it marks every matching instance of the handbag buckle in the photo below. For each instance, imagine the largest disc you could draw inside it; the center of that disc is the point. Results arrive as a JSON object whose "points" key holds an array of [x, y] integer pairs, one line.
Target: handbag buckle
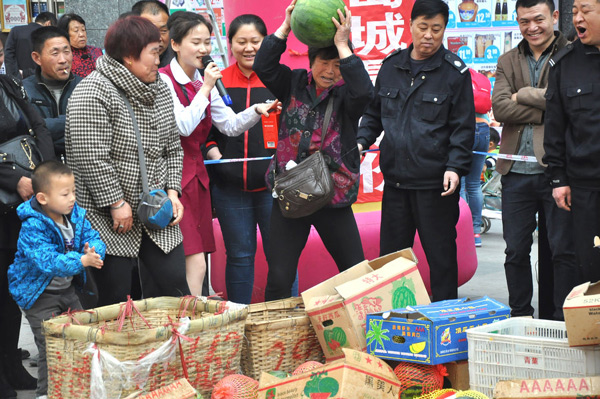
{"points": [[304, 196]]}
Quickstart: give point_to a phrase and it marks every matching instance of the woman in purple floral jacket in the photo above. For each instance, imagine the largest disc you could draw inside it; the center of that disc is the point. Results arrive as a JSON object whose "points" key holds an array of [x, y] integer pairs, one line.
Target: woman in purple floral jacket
{"points": [[305, 95]]}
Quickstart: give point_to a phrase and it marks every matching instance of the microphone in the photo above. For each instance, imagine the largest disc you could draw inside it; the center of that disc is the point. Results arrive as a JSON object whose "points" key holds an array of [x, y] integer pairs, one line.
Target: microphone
{"points": [[222, 91]]}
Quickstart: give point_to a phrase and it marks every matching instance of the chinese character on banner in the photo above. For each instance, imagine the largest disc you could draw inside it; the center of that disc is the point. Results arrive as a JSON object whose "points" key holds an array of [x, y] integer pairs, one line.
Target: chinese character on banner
{"points": [[378, 28]]}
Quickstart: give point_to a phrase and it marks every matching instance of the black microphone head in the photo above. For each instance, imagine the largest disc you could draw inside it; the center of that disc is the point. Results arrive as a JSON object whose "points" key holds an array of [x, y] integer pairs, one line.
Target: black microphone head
{"points": [[207, 59]]}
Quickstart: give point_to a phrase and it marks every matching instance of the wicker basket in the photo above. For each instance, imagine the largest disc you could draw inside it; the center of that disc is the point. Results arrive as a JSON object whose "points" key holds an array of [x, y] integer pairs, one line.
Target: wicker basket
{"points": [[134, 332], [279, 337]]}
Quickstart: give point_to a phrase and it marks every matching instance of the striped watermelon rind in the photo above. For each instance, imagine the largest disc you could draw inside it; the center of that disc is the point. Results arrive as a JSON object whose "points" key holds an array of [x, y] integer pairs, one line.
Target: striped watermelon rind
{"points": [[311, 21]]}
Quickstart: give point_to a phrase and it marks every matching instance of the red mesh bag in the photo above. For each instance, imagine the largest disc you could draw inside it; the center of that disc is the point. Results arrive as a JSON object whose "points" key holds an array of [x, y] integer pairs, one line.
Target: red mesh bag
{"points": [[307, 366], [419, 379], [235, 386]]}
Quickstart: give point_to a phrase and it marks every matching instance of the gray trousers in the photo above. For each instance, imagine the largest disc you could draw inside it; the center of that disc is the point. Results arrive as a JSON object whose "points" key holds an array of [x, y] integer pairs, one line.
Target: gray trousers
{"points": [[49, 304]]}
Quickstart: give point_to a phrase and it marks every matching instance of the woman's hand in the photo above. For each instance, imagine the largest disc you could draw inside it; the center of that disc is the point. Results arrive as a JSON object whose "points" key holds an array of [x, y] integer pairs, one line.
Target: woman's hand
{"points": [[177, 207], [122, 217], [342, 36], [264, 108], [24, 188], [211, 75], [284, 30], [214, 153]]}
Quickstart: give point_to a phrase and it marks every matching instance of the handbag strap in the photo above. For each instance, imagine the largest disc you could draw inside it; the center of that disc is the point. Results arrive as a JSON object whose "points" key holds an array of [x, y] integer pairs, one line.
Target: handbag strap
{"points": [[139, 144], [326, 119]]}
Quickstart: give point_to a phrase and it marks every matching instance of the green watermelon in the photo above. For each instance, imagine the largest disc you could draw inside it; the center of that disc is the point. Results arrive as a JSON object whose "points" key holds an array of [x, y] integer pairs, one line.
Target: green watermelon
{"points": [[311, 21]]}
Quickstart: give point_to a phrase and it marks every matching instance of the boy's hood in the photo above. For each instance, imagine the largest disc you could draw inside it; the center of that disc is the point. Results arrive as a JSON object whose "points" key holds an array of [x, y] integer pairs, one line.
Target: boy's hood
{"points": [[33, 209]]}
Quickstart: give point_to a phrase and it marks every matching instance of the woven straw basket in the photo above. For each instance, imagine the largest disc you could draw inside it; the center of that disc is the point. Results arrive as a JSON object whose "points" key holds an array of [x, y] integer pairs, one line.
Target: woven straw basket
{"points": [[211, 348], [279, 336]]}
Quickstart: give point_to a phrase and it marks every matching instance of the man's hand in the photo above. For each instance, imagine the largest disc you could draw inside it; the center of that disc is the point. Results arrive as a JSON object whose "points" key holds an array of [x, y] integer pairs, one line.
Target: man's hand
{"points": [[562, 197], [177, 207], [450, 183], [24, 188], [514, 97]]}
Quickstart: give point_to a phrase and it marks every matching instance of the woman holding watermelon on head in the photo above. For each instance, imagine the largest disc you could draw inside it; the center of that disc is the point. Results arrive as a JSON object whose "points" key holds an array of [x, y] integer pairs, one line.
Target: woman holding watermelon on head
{"points": [[305, 96]]}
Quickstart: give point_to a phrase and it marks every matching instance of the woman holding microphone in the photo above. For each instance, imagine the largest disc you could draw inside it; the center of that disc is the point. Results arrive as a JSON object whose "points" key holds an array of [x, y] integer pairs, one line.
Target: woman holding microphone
{"points": [[197, 106]]}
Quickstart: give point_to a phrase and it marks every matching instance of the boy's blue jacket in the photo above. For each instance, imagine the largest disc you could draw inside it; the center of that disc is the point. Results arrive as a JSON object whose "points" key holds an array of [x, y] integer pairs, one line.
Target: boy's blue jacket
{"points": [[41, 252]]}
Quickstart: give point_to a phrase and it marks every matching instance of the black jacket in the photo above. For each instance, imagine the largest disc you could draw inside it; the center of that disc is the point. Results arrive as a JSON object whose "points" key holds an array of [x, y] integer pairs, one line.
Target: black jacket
{"points": [[572, 120], [54, 116], [18, 50], [303, 113], [428, 119], [9, 178], [247, 176]]}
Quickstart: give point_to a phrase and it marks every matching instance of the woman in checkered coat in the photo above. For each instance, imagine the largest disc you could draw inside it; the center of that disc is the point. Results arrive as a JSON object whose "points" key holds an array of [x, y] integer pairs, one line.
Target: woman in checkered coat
{"points": [[102, 150]]}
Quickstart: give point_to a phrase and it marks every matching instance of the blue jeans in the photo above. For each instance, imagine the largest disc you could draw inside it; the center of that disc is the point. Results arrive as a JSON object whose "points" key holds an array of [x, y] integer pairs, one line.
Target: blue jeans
{"points": [[239, 212], [470, 187]]}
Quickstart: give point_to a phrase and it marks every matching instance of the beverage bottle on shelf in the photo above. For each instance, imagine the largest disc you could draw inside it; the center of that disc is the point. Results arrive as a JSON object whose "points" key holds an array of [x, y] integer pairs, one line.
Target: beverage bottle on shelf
{"points": [[498, 13], [504, 10]]}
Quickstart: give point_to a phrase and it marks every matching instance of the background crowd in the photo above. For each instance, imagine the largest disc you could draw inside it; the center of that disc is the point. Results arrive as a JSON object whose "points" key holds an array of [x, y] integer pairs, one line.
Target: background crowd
{"points": [[74, 100]]}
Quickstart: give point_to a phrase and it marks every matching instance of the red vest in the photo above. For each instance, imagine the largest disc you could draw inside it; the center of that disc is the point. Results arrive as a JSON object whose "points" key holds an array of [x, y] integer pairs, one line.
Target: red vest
{"points": [[193, 161]]}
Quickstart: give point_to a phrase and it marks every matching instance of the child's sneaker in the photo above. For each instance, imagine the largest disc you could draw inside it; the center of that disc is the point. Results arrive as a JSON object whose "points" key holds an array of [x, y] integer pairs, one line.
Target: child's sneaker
{"points": [[477, 240]]}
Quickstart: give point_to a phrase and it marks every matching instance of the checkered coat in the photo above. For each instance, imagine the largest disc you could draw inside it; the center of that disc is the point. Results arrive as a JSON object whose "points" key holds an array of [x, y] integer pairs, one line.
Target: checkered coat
{"points": [[101, 148]]}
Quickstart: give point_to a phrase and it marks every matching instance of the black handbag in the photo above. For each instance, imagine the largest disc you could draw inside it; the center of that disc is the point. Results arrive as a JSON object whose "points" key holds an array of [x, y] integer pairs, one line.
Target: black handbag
{"points": [[308, 186], [155, 209], [21, 153]]}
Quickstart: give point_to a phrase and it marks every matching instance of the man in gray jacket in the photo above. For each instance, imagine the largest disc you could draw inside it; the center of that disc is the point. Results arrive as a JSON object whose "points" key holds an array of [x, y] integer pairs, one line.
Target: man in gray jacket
{"points": [[518, 101]]}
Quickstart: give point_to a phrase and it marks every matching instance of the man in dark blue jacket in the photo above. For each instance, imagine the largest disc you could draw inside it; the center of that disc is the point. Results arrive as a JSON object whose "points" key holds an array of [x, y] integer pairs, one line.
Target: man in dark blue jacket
{"points": [[424, 103], [51, 86], [572, 137], [19, 48]]}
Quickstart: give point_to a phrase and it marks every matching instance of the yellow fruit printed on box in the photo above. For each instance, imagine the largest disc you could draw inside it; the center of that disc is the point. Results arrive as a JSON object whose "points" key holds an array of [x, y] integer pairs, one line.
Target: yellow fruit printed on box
{"points": [[338, 307], [430, 334], [356, 375]]}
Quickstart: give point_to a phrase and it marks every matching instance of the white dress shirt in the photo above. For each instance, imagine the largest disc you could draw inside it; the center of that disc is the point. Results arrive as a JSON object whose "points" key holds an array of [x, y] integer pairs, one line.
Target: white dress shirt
{"points": [[228, 122]]}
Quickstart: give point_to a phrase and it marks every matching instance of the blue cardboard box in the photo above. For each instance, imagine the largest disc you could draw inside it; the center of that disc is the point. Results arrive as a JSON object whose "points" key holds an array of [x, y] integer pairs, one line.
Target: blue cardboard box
{"points": [[430, 334]]}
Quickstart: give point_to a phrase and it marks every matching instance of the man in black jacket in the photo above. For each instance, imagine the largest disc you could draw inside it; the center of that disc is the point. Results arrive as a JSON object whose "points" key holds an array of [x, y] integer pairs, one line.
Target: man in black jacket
{"points": [[51, 86], [157, 13], [572, 138], [18, 46], [424, 103]]}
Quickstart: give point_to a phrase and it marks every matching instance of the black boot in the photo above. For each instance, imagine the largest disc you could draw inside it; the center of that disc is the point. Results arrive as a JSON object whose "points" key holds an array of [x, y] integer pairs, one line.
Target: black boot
{"points": [[6, 391], [15, 373]]}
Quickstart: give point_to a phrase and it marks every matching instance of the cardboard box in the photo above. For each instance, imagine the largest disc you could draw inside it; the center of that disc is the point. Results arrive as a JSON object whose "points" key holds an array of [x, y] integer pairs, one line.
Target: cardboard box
{"points": [[357, 375], [546, 388], [582, 314], [430, 334], [458, 374], [338, 307]]}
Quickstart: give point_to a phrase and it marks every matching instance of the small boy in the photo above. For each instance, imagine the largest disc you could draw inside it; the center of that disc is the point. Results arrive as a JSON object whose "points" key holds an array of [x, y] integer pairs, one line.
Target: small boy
{"points": [[490, 162], [56, 242]]}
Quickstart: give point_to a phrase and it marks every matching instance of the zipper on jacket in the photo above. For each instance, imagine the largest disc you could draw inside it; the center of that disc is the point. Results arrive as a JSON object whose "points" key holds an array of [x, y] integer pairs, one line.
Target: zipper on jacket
{"points": [[57, 113], [246, 139]]}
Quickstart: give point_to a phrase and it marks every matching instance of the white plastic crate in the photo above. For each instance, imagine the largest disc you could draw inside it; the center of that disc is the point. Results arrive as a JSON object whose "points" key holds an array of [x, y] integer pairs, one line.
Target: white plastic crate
{"points": [[522, 348]]}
